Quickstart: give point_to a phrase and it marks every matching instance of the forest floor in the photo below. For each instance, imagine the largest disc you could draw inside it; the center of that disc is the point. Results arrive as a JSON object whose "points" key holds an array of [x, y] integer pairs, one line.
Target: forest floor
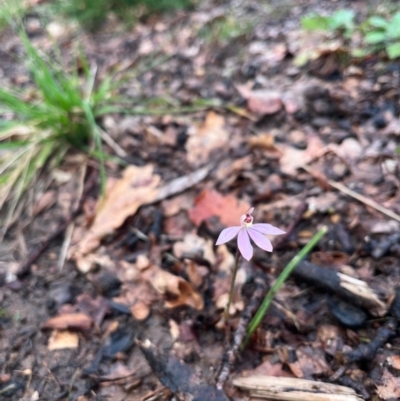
{"points": [[123, 299]]}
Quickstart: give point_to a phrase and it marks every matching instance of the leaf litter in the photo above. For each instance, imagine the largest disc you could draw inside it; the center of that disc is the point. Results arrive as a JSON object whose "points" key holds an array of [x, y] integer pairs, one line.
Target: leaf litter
{"points": [[278, 135]]}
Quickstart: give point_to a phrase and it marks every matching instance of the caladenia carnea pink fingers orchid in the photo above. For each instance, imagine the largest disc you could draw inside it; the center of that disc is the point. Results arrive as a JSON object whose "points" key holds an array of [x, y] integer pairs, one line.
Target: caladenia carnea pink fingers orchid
{"points": [[249, 230]]}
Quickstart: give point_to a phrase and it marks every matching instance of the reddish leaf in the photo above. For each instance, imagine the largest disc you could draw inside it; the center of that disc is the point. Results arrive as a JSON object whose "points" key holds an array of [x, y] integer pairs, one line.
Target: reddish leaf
{"points": [[211, 203]]}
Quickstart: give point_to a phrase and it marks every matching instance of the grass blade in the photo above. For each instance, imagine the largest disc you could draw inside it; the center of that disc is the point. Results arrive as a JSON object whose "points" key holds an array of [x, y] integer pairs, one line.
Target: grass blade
{"points": [[262, 310]]}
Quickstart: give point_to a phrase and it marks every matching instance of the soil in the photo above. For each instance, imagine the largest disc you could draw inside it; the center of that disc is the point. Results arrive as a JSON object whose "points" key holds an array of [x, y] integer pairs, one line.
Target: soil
{"points": [[217, 87]]}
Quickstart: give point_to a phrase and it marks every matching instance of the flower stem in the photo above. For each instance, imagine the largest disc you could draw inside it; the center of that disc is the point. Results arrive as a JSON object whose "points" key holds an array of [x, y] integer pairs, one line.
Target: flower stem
{"points": [[235, 269], [262, 310]]}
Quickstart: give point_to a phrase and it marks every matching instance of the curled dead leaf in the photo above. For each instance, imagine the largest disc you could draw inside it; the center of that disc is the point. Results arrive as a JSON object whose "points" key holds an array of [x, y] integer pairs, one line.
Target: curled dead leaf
{"points": [[177, 290]]}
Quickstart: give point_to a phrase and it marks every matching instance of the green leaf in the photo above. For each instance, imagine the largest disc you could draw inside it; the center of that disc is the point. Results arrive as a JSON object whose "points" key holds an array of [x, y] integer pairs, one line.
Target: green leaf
{"points": [[342, 19], [393, 50], [393, 29], [315, 22], [378, 22], [375, 37], [13, 144]]}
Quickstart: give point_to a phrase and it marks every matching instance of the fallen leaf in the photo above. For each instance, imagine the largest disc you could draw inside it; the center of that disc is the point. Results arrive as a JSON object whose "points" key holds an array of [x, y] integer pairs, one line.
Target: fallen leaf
{"points": [[63, 339], [138, 295], [177, 290], [390, 388], [310, 361], [264, 141], [138, 186], [209, 136], [293, 158], [140, 310], [211, 203], [394, 361], [261, 102], [77, 321], [46, 201], [195, 272], [323, 203], [195, 246]]}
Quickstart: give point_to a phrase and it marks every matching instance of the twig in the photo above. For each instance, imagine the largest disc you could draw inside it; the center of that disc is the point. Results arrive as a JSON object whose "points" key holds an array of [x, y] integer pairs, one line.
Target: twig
{"points": [[355, 195], [366, 352], [24, 267]]}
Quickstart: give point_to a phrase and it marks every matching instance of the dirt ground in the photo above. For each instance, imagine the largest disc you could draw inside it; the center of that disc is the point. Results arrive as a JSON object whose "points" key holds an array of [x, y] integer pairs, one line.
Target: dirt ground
{"points": [[125, 301]]}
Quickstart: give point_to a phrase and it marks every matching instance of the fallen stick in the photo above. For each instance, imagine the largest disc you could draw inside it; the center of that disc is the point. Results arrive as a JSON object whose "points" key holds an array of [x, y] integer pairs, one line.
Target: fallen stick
{"points": [[293, 389], [346, 287], [367, 352], [342, 188]]}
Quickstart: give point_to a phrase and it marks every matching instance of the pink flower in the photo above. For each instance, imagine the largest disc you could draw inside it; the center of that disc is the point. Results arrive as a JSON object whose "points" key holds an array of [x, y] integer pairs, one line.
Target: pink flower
{"points": [[249, 230]]}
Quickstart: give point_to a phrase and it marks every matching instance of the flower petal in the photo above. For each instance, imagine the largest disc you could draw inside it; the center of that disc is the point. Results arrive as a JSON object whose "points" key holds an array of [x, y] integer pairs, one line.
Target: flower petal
{"points": [[267, 229], [227, 234], [259, 239], [244, 244]]}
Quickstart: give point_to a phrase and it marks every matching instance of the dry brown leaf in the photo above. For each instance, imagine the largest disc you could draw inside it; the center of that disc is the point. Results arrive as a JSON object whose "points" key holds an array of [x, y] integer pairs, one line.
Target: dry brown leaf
{"points": [[211, 203], [177, 290], [209, 136], [264, 141], [195, 272], [138, 186], [390, 388], [45, 202], [138, 295], [140, 310], [63, 339], [261, 102], [394, 361], [293, 158], [193, 245], [310, 361], [77, 321]]}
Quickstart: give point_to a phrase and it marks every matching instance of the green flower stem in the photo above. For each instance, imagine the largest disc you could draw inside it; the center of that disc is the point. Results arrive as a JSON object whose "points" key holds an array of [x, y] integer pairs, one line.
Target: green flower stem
{"points": [[262, 310], [235, 269]]}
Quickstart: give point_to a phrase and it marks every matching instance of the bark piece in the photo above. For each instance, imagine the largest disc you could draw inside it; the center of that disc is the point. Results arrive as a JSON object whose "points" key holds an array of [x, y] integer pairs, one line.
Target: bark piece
{"points": [[292, 389], [349, 288]]}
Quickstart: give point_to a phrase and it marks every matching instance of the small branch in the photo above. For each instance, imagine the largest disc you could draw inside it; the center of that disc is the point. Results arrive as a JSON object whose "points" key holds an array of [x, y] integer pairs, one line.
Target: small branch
{"points": [[366, 352], [355, 195]]}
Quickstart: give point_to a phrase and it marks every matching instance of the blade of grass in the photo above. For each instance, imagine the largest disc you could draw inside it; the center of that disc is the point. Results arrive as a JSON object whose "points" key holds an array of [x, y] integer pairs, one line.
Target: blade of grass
{"points": [[262, 310]]}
